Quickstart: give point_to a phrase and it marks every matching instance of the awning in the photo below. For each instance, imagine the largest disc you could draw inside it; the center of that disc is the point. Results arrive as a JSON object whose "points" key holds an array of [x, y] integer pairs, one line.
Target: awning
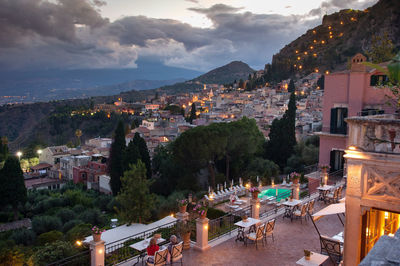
{"points": [[331, 209]]}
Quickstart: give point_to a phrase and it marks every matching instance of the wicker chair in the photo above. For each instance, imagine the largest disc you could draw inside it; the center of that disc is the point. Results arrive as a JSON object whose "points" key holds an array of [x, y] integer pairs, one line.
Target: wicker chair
{"points": [[258, 235], [311, 206], [301, 214], [160, 258], [332, 248], [269, 230], [176, 253], [332, 197]]}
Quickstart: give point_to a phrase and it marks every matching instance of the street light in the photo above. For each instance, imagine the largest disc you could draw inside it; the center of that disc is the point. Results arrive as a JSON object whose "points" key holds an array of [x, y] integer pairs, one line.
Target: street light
{"points": [[19, 154], [39, 152]]}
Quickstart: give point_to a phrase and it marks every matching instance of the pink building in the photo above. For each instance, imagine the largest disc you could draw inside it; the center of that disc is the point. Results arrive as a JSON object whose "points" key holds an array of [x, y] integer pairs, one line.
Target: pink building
{"points": [[90, 173], [348, 93]]}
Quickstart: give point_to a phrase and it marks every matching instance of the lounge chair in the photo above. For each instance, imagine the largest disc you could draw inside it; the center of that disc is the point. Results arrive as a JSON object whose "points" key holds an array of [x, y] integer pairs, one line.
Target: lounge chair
{"points": [[239, 200], [160, 258], [284, 183], [176, 254], [258, 235]]}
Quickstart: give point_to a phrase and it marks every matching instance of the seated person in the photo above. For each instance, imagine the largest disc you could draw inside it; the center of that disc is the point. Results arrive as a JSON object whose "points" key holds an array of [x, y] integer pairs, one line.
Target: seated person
{"points": [[151, 249], [173, 240]]}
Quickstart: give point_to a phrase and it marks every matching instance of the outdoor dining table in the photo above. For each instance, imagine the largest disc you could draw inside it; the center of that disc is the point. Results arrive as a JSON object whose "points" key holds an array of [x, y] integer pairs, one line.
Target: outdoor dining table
{"points": [[315, 260], [289, 207], [249, 223], [323, 191], [142, 246]]}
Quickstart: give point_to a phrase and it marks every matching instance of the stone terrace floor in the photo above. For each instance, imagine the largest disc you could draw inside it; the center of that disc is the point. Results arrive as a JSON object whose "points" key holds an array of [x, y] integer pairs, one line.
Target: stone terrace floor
{"points": [[291, 238]]}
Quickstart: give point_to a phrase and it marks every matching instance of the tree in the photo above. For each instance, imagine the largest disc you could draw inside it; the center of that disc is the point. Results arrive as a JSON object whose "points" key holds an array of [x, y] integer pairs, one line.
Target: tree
{"points": [[115, 165], [282, 135], [321, 82], [241, 84], [382, 48], [135, 199], [131, 155], [3, 148], [13, 190], [144, 152], [192, 113], [78, 134], [291, 87]]}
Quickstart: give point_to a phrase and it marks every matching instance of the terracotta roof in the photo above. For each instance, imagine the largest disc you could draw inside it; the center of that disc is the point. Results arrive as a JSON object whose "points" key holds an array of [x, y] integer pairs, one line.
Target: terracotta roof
{"points": [[30, 183], [41, 166]]}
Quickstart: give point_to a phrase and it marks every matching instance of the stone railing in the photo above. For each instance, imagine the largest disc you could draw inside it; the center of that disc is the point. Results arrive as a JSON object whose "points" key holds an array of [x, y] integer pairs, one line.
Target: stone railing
{"points": [[376, 133]]}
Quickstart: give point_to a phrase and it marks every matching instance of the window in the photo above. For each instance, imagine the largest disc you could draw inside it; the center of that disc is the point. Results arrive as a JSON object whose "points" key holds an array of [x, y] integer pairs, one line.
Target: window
{"points": [[377, 80], [337, 160], [369, 111], [338, 125]]}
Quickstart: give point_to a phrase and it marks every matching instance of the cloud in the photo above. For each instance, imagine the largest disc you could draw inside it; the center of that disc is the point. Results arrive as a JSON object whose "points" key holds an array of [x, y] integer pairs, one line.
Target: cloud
{"points": [[192, 1], [331, 6], [73, 34]]}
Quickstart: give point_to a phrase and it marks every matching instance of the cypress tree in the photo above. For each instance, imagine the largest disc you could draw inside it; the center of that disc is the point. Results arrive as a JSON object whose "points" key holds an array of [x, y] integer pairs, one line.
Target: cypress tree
{"points": [[192, 113], [115, 163], [144, 152], [291, 87], [12, 190], [3, 148], [131, 155]]}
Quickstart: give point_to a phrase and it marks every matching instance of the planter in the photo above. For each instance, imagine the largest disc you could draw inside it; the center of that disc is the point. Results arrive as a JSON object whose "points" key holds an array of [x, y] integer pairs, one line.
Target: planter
{"points": [[295, 181], [96, 237], [204, 215], [182, 209], [307, 257], [255, 195], [186, 240]]}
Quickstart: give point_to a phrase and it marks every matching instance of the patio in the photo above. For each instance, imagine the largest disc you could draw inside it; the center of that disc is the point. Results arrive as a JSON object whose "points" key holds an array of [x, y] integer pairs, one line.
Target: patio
{"points": [[291, 238]]}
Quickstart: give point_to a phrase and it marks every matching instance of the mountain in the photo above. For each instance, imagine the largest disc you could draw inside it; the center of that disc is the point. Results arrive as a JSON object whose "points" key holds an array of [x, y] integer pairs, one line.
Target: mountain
{"points": [[228, 73], [341, 35], [45, 85]]}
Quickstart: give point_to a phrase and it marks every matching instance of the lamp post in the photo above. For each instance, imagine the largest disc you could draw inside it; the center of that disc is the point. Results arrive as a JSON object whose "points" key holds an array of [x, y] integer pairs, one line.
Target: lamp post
{"points": [[39, 152], [19, 154]]}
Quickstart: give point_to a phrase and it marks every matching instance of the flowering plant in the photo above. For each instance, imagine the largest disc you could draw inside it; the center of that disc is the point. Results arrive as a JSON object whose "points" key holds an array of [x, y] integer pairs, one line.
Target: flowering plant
{"points": [[200, 208], [254, 189], [96, 230], [294, 175], [182, 202], [325, 166]]}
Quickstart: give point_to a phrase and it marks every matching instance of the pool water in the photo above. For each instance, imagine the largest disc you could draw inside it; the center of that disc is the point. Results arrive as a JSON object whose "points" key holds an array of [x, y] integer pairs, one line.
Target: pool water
{"points": [[282, 193]]}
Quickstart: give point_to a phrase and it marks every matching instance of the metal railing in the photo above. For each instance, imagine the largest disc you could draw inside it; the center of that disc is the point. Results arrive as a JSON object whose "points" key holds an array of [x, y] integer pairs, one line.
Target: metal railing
{"points": [[120, 250], [81, 258], [226, 224], [310, 169]]}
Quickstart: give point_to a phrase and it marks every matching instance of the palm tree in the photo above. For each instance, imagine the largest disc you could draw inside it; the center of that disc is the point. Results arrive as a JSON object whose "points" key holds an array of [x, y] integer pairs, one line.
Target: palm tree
{"points": [[78, 134]]}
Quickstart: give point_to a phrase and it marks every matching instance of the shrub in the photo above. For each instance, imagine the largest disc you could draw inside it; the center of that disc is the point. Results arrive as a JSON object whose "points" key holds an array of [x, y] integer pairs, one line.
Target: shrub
{"points": [[103, 201], [213, 213], [24, 237], [43, 224], [70, 224], [66, 215], [54, 251], [93, 216], [74, 197], [12, 256], [78, 208], [79, 231], [50, 237]]}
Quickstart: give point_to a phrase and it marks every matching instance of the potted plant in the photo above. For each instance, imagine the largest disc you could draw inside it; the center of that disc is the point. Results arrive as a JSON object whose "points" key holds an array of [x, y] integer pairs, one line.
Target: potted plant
{"points": [[254, 192], [307, 254], [184, 229], [324, 168], [201, 209], [182, 205], [96, 232], [295, 177]]}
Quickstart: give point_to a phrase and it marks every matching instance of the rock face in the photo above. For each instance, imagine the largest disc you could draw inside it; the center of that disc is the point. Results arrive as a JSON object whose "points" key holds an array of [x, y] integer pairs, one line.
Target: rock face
{"points": [[340, 36]]}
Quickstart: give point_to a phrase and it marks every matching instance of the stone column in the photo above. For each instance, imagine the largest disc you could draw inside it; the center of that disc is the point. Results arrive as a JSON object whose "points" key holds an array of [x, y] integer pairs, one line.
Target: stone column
{"points": [[255, 208], [202, 234], [296, 191], [182, 216], [97, 253]]}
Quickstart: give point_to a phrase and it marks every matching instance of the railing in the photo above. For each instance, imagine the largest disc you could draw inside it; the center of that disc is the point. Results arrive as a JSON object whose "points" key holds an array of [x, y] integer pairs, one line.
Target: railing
{"points": [[81, 258], [335, 176], [226, 224], [310, 168], [120, 250]]}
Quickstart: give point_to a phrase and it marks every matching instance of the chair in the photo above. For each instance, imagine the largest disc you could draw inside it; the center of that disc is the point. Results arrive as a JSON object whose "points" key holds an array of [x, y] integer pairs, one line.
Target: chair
{"points": [[284, 183], [239, 200], [176, 253], [332, 197], [160, 258], [311, 206], [258, 235], [269, 230], [332, 248], [302, 213], [339, 194]]}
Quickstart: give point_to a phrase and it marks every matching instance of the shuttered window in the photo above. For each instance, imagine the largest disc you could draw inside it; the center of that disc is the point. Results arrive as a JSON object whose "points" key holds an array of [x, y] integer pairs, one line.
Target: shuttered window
{"points": [[338, 125]]}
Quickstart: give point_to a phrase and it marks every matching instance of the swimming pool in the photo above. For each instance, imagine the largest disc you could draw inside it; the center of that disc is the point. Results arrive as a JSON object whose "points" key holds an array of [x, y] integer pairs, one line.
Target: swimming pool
{"points": [[282, 193]]}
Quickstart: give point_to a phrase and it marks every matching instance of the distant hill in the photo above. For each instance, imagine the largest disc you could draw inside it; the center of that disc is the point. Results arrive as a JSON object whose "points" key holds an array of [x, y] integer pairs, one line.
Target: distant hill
{"points": [[235, 70], [340, 36]]}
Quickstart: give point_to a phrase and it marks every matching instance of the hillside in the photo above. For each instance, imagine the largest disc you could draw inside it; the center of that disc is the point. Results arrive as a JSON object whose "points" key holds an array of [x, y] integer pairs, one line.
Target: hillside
{"points": [[235, 70], [340, 36]]}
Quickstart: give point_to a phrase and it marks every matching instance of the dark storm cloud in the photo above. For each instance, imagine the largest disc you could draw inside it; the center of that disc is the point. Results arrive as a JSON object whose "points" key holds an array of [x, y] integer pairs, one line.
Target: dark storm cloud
{"points": [[72, 34]]}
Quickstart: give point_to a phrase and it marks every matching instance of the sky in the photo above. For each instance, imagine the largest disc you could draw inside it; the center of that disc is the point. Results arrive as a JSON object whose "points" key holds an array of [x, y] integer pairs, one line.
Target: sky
{"points": [[192, 34]]}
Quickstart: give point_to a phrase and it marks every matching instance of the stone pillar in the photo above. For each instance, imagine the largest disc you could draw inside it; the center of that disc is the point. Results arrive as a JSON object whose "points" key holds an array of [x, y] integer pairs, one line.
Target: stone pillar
{"points": [[324, 177], [255, 208], [296, 191], [97, 253], [202, 234], [182, 216]]}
